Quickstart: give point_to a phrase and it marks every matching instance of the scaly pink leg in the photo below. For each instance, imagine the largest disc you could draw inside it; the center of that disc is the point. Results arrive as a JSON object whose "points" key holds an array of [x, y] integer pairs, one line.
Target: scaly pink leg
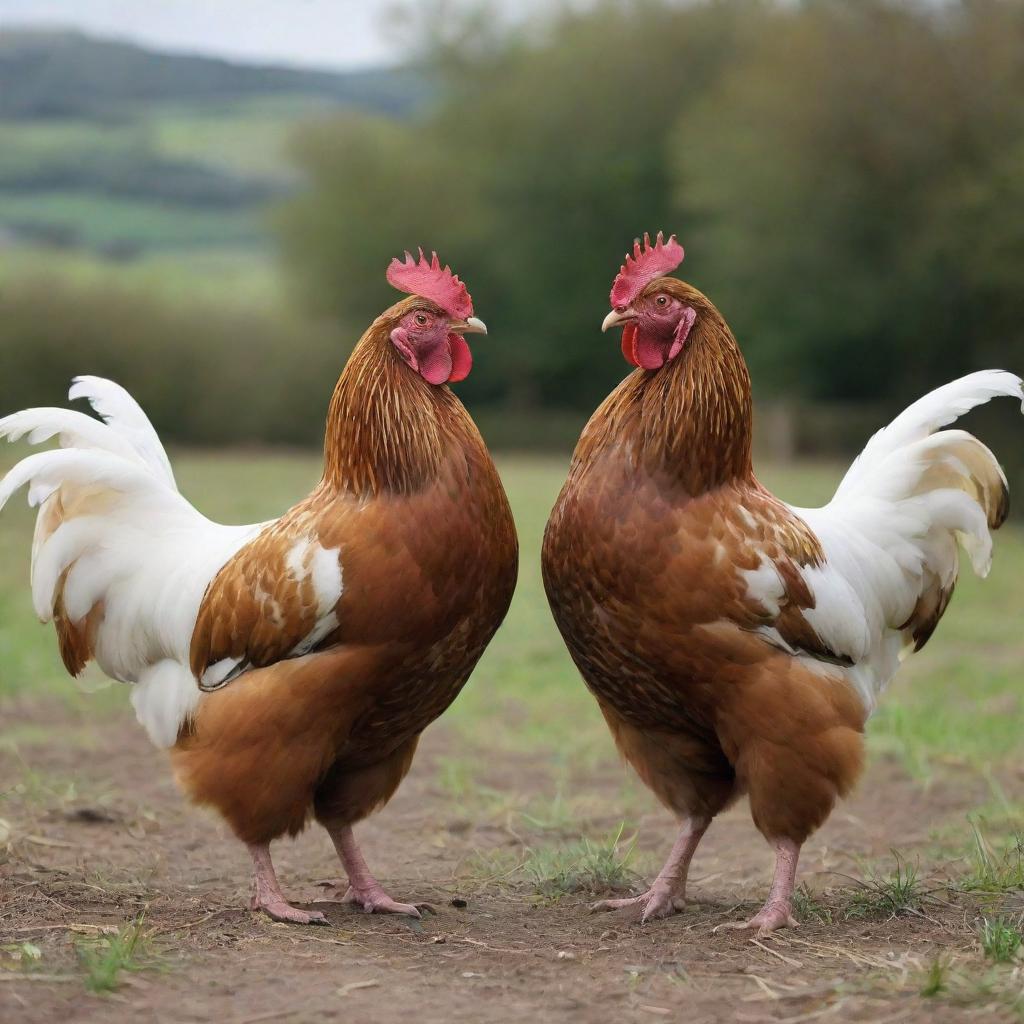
{"points": [[668, 892], [363, 888], [267, 895], [778, 909]]}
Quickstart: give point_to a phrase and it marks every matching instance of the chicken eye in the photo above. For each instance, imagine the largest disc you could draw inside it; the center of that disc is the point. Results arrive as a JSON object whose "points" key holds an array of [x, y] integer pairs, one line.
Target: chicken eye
{"points": [[421, 319], [662, 300]]}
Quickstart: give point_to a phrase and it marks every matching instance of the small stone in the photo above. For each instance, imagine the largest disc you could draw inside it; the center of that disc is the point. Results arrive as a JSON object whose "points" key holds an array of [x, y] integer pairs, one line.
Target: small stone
{"points": [[459, 902]]}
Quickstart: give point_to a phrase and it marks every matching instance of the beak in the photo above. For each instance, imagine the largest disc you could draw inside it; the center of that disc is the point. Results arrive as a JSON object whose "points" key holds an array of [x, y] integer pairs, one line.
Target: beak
{"points": [[469, 326], [617, 318]]}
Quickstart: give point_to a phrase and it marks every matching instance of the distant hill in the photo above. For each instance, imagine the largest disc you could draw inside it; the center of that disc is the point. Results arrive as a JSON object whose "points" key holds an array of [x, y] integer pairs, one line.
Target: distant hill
{"points": [[116, 150], [62, 74]]}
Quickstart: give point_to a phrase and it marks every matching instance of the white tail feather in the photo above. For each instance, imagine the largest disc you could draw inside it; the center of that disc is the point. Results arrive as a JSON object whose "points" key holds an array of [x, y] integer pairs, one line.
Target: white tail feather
{"points": [[891, 532], [935, 410], [125, 416], [116, 541]]}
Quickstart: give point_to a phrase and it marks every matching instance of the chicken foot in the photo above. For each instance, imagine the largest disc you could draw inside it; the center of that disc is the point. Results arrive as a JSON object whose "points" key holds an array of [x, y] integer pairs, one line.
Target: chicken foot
{"points": [[267, 895], [777, 911], [363, 889], [667, 893]]}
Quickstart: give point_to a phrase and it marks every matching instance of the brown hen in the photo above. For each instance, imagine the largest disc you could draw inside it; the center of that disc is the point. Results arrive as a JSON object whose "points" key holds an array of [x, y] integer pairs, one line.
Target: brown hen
{"points": [[291, 666], [736, 645]]}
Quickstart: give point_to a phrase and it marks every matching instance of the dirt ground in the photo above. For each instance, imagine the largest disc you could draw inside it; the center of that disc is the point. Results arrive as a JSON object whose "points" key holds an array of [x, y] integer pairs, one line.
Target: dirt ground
{"points": [[97, 834]]}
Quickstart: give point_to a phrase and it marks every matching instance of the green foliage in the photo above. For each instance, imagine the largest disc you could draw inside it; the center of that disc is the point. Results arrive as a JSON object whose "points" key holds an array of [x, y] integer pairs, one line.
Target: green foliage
{"points": [[104, 959], [886, 895], [589, 866], [851, 193], [843, 174], [808, 907], [936, 979], [995, 870], [205, 371], [530, 177], [1000, 939]]}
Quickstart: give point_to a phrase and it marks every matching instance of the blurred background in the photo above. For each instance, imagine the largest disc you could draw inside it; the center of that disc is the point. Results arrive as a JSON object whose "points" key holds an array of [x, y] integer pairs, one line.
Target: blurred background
{"points": [[199, 200]]}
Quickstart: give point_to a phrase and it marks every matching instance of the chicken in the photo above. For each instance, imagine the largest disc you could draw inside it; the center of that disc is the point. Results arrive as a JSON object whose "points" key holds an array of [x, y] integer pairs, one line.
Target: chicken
{"points": [[735, 644], [289, 666]]}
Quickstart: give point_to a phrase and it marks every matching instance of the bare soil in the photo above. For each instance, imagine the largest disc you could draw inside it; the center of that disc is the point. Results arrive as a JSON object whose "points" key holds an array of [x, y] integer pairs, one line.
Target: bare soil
{"points": [[98, 834]]}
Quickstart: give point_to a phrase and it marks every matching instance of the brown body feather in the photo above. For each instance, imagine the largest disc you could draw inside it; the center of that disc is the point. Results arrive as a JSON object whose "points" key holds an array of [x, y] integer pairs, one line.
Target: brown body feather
{"points": [[428, 551], [643, 560]]}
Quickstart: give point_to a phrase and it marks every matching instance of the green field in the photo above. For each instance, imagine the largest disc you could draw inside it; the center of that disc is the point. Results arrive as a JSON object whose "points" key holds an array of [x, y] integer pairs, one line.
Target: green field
{"points": [[101, 184], [956, 703], [229, 277], [100, 220]]}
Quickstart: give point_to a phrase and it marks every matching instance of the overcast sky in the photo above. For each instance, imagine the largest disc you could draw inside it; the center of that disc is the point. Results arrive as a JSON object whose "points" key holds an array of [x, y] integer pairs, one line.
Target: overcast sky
{"points": [[321, 33]]}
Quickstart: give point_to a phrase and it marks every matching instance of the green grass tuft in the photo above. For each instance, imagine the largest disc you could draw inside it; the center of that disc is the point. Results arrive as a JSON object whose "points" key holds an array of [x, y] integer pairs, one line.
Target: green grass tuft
{"points": [[584, 866], [995, 870], [935, 979], [807, 907], [888, 896], [104, 959], [1000, 939]]}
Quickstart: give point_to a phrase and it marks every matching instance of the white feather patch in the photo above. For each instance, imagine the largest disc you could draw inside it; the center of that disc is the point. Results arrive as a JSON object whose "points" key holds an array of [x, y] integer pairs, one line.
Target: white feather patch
{"points": [[164, 698], [891, 531]]}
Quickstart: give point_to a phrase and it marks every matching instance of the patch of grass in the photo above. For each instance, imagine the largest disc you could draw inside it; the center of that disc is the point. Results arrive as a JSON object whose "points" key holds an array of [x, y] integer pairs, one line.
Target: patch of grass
{"points": [[886, 896], [808, 907], [27, 955], [995, 870], [1000, 939], [956, 981], [104, 959], [585, 866], [935, 979]]}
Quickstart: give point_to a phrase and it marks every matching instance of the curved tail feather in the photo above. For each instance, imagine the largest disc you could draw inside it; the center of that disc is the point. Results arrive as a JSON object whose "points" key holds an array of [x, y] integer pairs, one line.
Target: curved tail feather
{"points": [[892, 532]]}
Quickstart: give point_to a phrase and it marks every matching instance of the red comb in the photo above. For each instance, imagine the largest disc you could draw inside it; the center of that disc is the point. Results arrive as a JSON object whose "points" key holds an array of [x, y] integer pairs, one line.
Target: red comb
{"points": [[643, 266], [429, 279]]}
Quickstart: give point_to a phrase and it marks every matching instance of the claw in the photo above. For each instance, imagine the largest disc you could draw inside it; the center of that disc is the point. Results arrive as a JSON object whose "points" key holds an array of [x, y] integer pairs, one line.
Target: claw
{"points": [[279, 910], [374, 900], [657, 902], [769, 919], [267, 895]]}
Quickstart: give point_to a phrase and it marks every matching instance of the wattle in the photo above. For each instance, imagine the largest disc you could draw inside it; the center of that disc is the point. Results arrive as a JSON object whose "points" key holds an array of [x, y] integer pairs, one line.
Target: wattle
{"points": [[462, 358], [447, 363], [641, 349]]}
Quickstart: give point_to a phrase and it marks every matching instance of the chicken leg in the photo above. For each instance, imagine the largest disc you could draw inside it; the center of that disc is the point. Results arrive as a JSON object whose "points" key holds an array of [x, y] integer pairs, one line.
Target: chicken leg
{"points": [[668, 892], [266, 891], [363, 888], [777, 911]]}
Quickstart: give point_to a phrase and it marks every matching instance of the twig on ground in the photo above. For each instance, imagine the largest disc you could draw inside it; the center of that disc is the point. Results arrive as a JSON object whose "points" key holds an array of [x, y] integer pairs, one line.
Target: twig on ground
{"points": [[781, 956], [190, 924]]}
